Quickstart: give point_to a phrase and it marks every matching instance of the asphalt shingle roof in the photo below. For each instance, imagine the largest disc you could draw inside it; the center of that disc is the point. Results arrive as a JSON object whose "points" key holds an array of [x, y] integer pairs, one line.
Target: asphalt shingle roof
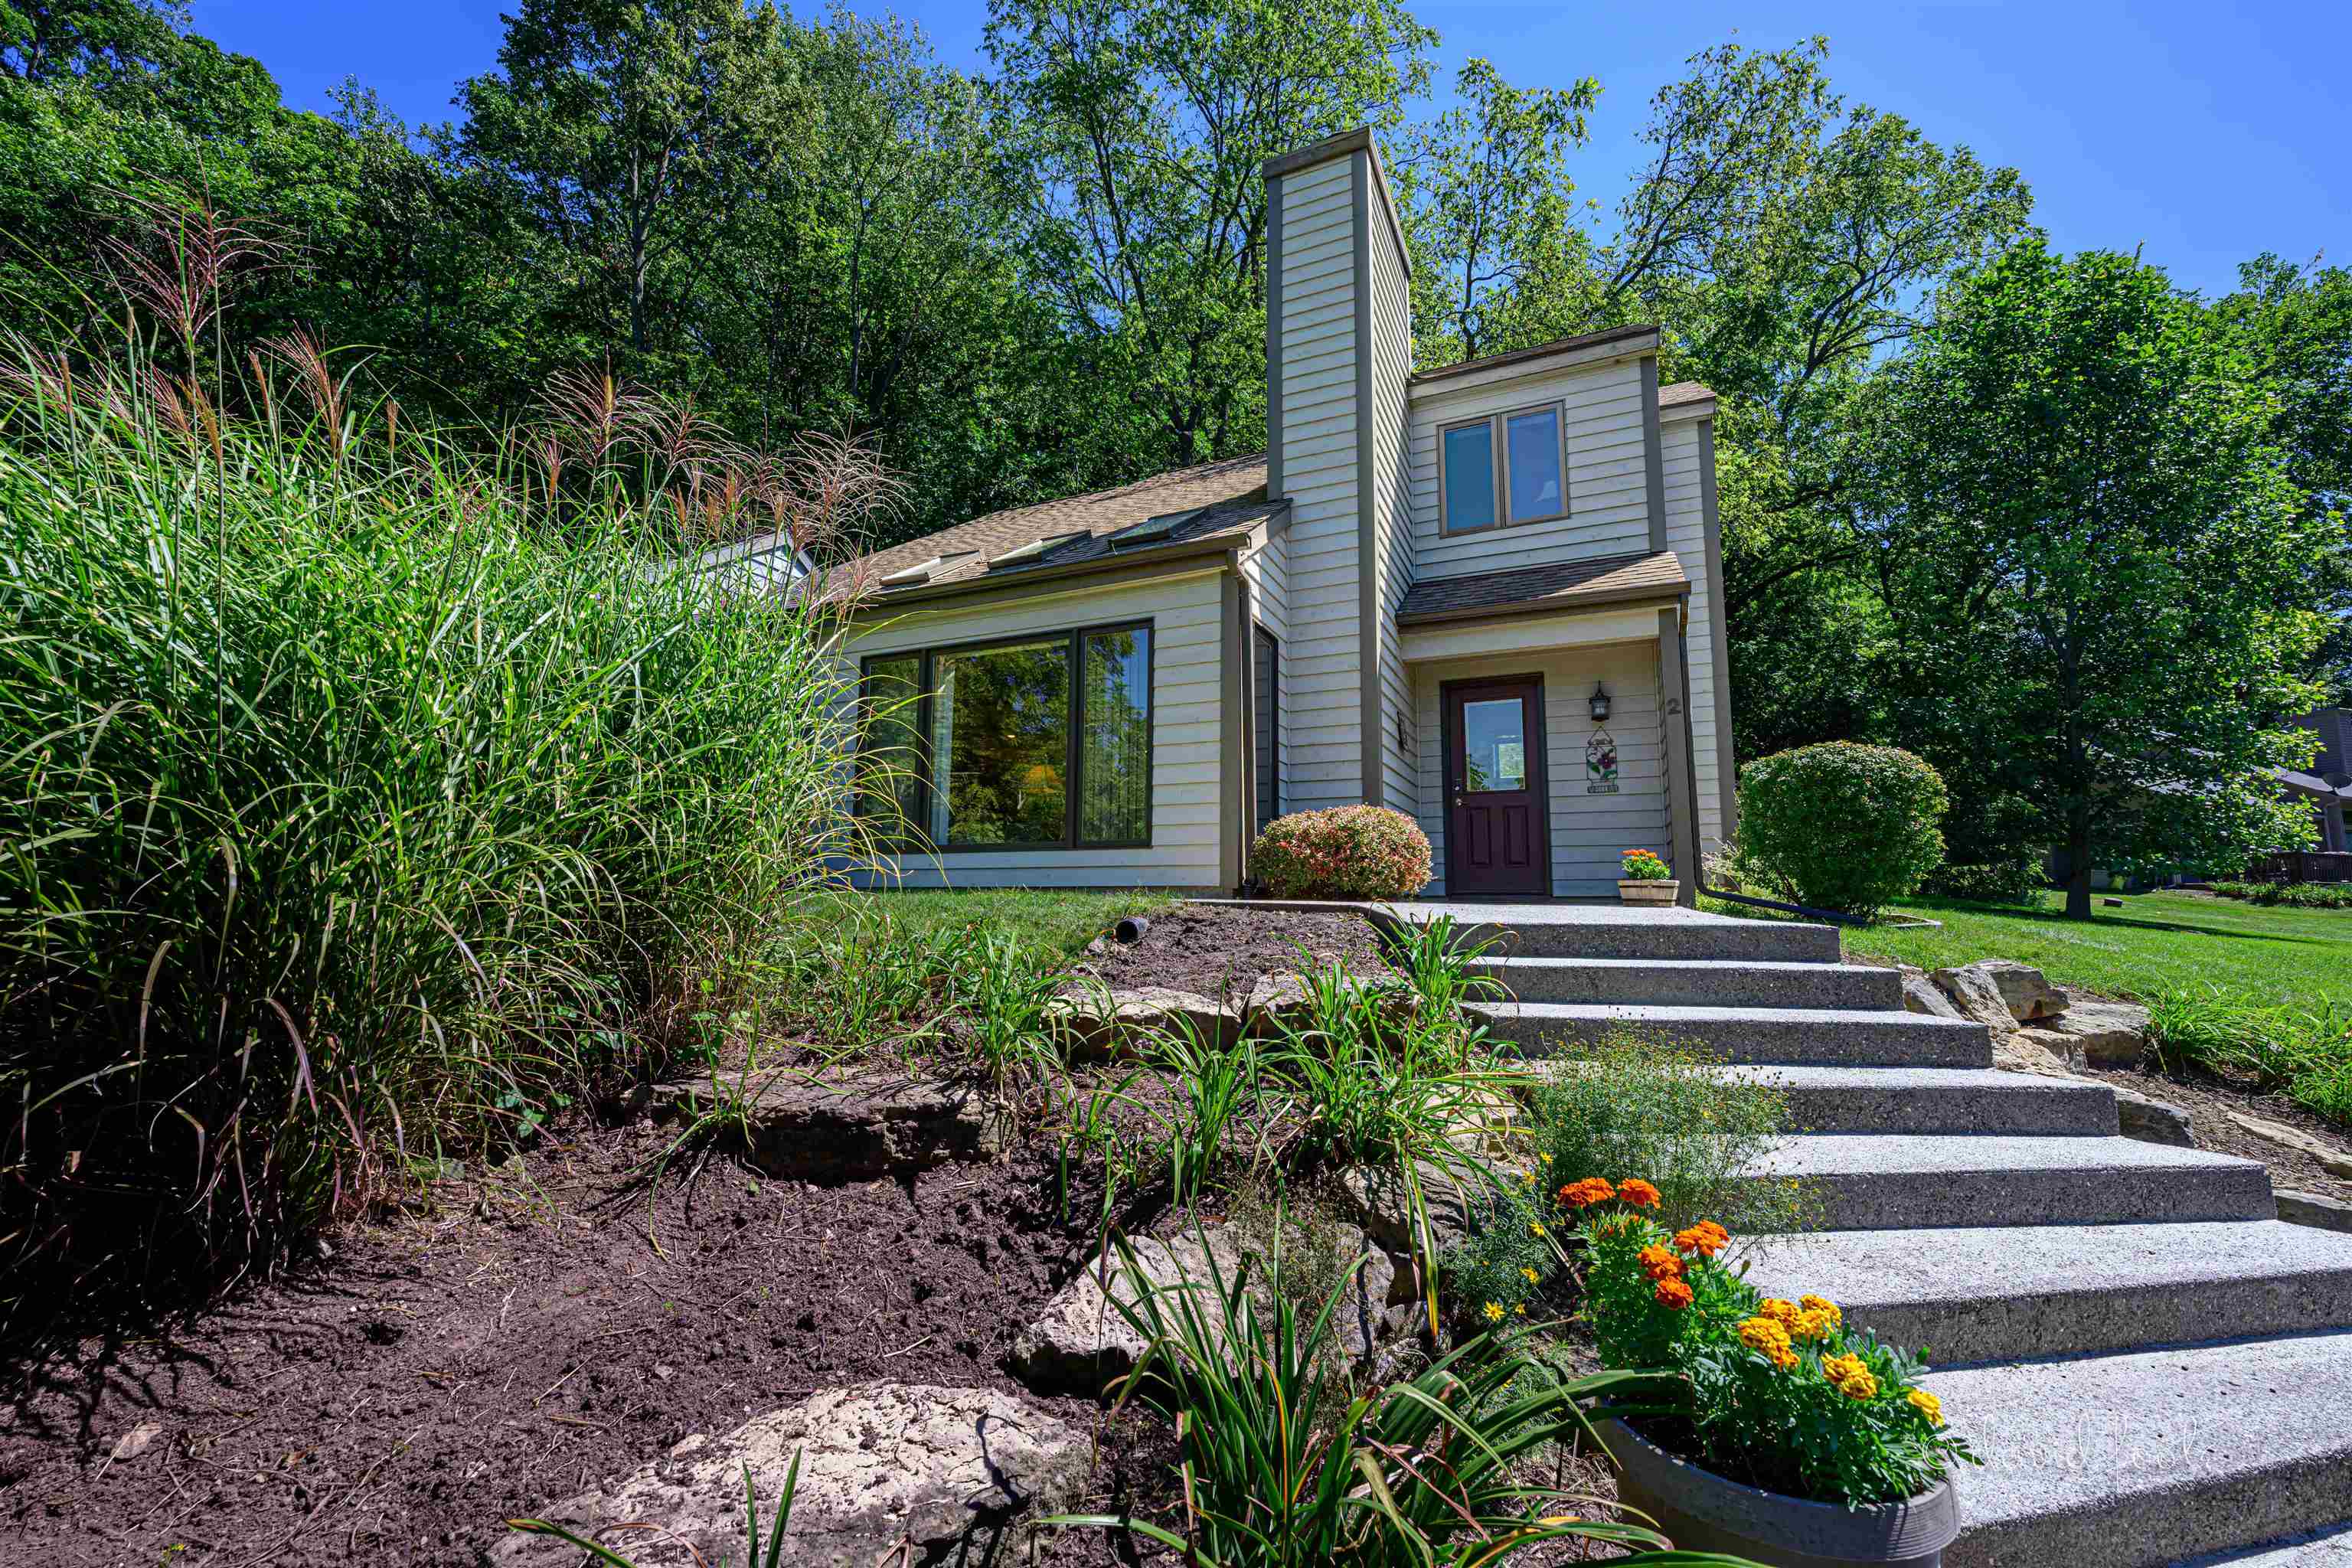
{"points": [[1563, 586]]}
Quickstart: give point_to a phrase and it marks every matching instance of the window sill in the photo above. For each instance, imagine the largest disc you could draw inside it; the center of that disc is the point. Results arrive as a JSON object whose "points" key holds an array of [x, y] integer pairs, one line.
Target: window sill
{"points": [[1445, 532]]}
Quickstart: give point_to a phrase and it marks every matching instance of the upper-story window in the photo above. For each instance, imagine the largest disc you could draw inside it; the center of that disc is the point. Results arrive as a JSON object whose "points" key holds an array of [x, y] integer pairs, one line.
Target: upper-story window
{"points": [[1505, 467]]}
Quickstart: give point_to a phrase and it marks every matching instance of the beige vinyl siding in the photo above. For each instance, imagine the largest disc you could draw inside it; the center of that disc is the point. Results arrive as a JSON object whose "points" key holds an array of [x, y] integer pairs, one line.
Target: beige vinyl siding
{"points": [[1608, 497], [1686, 537], [1589, 831], [1188, 791], [1267, 567], [1392, 553], [1319, 333]]}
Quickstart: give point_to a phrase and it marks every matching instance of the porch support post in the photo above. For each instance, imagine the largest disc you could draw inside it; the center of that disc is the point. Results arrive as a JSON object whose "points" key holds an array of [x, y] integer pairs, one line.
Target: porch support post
{"points": [[1233, 828], [1674, 713]]}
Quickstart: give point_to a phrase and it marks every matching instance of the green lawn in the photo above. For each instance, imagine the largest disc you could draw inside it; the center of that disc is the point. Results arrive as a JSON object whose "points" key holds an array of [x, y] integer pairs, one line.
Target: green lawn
{"points": [[2260, 992], [2155, 944], [1055, 922]]}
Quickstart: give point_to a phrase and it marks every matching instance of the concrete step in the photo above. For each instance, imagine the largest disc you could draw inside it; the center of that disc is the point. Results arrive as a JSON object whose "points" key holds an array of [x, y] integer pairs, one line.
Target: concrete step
{"points": [[1895, 1181], [1589, 930], [1695, 983], [2019, 1292], [2328, 1547], [1936, 1100], [1829, 1035], [2121, 1461]]}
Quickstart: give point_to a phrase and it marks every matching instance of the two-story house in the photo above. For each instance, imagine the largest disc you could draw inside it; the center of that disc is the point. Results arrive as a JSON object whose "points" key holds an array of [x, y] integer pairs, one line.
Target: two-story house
{"points": [[1487, 594]]}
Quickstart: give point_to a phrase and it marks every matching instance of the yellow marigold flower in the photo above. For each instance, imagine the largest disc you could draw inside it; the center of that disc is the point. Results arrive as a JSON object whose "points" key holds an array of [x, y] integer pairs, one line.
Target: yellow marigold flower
{"points": [[1659, 1262], [1838, 1368], [1781, 1312], [1493, 1311], [1638, 1193], [1782, 1358], [1814, 1324], [1673, 1294], [1763, 1334], [1926, 1404], [1823, 1305], [1858, 1385]]}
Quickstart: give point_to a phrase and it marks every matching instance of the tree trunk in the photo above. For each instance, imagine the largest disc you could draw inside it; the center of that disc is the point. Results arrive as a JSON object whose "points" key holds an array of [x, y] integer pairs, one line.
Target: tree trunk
{"points": [[2078, 871]]}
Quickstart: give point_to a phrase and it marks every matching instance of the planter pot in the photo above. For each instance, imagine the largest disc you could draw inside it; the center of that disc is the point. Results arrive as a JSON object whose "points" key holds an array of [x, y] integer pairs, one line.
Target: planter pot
{"points": [[1704, 1513], [1649, 891]]}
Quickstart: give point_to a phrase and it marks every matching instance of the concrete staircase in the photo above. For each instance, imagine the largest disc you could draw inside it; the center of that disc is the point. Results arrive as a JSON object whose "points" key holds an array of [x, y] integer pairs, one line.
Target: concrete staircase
{"points": [[2154, 1368]]}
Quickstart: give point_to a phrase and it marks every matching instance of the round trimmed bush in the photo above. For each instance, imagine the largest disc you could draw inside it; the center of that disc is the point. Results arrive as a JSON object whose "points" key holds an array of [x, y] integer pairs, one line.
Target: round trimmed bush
{"points": [[1346, 852], [1848, 827]]}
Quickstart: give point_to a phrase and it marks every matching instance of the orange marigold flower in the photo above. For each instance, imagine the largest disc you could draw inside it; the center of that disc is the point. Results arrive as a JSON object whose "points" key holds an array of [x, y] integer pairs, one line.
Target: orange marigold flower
{"points": [[1706, 1238], [1784, 1359], [1659, 1263], [1584, 1194], [1673, 1294], [1638, 1193], [1781, 1312]]}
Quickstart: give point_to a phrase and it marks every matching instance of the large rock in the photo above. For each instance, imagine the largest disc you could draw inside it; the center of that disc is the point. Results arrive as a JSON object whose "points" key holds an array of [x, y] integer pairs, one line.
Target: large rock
{"points": [[2314, 1209], [2017, 1053], [2151, 1121], [1920, 994], [953, 1470], [2024, 990], [848, 1126], [1081, 1342], [2060, 1047], [1106, 1020], [2326, 1155], [2104, 1033], [1976, 997]]}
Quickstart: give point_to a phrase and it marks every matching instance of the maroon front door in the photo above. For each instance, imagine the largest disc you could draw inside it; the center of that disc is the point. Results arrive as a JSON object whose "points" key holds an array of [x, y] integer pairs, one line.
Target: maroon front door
{"points": [[1495, 834]]}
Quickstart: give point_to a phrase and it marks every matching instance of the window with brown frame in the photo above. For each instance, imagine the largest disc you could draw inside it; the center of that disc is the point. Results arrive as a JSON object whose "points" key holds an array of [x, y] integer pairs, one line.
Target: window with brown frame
{"points": [[1027, 742], [1503, 468]]}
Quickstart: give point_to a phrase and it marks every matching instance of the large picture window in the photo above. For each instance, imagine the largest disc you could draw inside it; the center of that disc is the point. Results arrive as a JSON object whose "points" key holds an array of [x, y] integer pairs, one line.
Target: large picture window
{"points": [[1036, 742], [1503, 468]]}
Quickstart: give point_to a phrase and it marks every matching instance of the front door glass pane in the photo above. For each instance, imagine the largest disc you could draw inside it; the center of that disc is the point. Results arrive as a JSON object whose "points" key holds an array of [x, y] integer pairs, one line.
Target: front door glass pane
{"points": [[1532, 443], [1494, 744], [1000, 745]]}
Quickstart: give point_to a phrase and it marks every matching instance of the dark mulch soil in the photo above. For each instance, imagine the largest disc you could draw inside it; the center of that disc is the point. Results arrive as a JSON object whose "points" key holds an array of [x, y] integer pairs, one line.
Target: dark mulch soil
{"points": [[542, 1330], [1220, 951], [2207, 1098]]}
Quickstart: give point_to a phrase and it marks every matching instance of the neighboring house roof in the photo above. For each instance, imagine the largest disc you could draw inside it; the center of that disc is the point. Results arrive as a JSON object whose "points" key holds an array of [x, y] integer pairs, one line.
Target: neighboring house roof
{"points": [[1220, 502], [1532, 590]]}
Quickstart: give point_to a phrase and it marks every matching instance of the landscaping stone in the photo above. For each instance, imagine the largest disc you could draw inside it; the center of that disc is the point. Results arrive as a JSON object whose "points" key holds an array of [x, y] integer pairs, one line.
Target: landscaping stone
{"points": [[2329, 1158], [2105, 1033], [2151, 1121], [850, 1126], [2314, 1209], [1920, 994], [1380, 1204], [2027, 992], [1080, 1343], [1275, 1000], [1977, 998], [1103, 1021], [2020, 1053], [954, 1471], [2060, 1047]]}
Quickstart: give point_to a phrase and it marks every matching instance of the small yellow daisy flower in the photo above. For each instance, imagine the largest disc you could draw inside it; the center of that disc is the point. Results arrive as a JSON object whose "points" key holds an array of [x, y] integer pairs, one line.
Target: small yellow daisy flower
{"points": [[1530, 1274], [1493, 1311]]}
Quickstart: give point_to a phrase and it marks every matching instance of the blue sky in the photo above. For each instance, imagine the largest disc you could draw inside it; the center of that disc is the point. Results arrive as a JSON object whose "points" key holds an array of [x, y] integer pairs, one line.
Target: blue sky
{"points": [[2206, 133]]}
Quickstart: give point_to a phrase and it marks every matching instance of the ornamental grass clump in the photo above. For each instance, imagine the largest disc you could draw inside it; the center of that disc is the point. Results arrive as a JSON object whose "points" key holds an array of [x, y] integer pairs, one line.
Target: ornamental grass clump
{"points": [[1773, 1393]]}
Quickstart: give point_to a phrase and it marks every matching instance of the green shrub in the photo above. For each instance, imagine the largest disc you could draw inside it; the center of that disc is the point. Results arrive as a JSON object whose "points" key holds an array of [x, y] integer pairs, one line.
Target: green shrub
{"points": [[1849, 827], [356, 814], [2289, 895], [1633, 1105], [1347, 852], [2011, 881], [2304, 1053], [1502, 1260]]}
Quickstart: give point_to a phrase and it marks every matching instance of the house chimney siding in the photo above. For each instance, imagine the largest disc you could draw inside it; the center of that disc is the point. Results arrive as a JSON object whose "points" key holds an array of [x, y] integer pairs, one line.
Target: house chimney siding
{"points": [[1338, 354]]}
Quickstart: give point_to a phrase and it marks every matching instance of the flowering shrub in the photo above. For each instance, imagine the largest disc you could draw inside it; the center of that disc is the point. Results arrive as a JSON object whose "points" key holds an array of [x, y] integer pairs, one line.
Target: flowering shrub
{"points": [[1781, 1394], [1643, 866], [1346, 852], [1847, 826]]}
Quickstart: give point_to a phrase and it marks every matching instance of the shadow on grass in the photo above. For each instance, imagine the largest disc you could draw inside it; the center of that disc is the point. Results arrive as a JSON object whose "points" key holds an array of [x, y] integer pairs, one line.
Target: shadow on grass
{"points": [[2122, 921]]}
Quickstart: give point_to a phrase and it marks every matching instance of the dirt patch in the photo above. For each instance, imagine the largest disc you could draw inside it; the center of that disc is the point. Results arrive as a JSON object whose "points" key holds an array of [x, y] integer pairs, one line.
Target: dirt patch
{"points": [[2207, 1098], [1221, 951], [544, 1330]]}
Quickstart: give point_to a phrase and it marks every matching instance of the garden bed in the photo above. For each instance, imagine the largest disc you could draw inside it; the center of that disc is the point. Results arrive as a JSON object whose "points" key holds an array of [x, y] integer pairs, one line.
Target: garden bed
{"points": [[2209, 1098], [1222, 951]]}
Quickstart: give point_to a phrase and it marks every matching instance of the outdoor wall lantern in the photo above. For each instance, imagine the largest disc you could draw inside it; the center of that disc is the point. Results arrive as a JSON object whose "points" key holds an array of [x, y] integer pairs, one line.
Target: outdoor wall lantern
{"points": [[1600, 700]]}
